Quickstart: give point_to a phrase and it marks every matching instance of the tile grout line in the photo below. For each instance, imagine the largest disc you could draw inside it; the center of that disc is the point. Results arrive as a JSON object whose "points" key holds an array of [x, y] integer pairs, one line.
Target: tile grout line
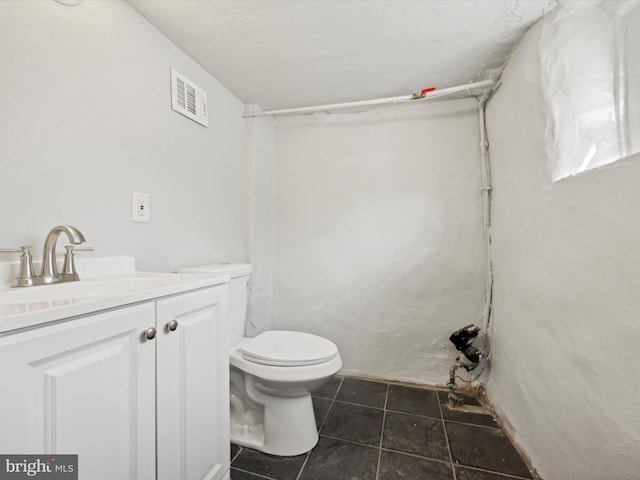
{"points": [[343, 439], [338, 389], [441, 417], [359, 404], [324, 419], [508, 476], [446, 437], [471, 424], [384, 417], [236, 455], [419, 457], [252, 473], [304, 464], [333, 400]]}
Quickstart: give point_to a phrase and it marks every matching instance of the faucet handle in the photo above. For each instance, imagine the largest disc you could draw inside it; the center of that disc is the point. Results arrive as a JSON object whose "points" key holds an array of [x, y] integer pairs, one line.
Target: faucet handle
{"points": [[26, 276], [79, 249], [15, 250], [69, 273]]}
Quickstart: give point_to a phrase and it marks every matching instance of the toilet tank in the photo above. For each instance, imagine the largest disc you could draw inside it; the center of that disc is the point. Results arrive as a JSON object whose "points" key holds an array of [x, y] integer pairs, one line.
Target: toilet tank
{"points": [[238, 294]]}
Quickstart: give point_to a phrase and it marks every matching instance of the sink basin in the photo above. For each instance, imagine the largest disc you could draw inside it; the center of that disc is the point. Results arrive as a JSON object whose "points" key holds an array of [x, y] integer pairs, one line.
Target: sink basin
{"points": [[83, 289], [107, 282]]}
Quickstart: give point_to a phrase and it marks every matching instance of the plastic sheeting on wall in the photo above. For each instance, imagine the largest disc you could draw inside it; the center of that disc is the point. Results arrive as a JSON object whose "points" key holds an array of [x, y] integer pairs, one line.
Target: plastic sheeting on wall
{"points": [[632, 76], [584, 59]]}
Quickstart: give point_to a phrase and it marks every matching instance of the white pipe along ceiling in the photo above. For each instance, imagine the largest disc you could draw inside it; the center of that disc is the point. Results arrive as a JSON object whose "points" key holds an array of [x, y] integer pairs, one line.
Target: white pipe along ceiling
{"points": [[287, 54], [426, 94]]}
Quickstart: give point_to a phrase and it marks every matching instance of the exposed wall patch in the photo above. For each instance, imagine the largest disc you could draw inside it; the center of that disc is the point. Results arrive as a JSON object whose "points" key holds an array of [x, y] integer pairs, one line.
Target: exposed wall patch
{"points": [[188, 99]]}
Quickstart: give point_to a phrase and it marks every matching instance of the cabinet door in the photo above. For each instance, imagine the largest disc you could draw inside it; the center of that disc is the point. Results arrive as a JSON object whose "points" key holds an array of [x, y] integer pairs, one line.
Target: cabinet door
{"points": [[83, 387], [193, 386]]}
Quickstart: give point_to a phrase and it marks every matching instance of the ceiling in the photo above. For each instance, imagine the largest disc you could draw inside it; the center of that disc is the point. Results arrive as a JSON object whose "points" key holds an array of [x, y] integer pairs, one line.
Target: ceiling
{"points": [[293, 53]]}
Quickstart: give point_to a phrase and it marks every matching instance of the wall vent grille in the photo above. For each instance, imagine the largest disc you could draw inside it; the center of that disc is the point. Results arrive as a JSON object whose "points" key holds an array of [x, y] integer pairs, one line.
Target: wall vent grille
{"points": [[188, 99]]}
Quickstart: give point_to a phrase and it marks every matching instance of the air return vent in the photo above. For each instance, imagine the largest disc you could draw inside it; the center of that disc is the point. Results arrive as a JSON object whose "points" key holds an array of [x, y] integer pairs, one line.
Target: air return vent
{"points": [[188, 99]]}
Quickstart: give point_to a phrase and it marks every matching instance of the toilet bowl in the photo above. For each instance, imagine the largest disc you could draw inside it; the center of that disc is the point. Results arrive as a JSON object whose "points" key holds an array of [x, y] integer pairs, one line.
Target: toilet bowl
{"points": [[272, 376]]}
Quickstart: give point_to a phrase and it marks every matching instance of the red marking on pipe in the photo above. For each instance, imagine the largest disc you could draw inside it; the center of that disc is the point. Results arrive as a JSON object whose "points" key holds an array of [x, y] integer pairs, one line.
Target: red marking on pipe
{"points": [[424, 91]]}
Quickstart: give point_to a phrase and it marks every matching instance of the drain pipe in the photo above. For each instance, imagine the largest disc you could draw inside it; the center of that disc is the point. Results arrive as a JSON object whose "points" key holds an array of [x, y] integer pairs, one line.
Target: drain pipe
{"points": [[486, 214], [462, 362]]}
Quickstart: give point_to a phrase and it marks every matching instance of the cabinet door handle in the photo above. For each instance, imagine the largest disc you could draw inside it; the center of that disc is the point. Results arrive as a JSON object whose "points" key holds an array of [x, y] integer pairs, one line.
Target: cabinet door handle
{"points": [[150, 333], [172, 326]]}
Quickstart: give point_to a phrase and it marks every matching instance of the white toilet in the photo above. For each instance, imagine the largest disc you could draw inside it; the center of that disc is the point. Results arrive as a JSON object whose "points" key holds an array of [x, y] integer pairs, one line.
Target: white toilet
{"points": [[271, 376]]}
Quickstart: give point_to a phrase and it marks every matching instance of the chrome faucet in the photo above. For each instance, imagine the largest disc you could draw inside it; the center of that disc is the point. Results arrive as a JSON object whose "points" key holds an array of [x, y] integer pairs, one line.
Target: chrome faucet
{"points": [[26, 276], [49, 267]]}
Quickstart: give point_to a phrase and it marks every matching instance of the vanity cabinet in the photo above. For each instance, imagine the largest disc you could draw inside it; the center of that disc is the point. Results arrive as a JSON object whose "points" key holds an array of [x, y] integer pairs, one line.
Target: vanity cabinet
{"points": [[132, 407]]}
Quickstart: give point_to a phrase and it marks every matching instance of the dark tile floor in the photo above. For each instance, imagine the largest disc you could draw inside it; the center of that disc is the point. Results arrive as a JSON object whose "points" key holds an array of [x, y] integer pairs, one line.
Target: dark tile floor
{"points": [[380, 431]]}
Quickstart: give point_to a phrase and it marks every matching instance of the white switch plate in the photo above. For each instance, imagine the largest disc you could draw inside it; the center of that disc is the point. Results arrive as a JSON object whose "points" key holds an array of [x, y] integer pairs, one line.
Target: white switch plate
{"points": [[141, 211]]}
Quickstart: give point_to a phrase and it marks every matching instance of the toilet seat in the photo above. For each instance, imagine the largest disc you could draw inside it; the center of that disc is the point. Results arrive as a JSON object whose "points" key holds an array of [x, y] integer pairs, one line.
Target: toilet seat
{"points": [[284, 348]]}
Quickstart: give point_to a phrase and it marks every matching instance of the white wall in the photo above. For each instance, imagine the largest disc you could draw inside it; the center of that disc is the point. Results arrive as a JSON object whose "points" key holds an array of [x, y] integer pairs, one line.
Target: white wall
{"points": [[86, 120], [378, 240], [566, 257]]}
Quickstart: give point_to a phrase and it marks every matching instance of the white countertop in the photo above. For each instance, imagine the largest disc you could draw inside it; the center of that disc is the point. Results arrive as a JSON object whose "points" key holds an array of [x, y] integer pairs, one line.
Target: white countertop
{"points": [[106, 283]]}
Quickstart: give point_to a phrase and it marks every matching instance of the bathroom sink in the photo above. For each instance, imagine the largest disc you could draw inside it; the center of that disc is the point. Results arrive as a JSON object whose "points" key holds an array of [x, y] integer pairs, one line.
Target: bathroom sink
{"points": [[106, 283], [74, 291]]}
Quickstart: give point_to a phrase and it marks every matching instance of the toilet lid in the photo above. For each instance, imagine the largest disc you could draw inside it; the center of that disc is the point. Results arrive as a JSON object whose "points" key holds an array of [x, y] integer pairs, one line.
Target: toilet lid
{"points": [[288, 349]]}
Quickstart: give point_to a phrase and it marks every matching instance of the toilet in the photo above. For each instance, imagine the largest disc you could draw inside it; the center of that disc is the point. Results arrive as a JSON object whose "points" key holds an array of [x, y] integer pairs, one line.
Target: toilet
{"points": [[271, 376]]}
